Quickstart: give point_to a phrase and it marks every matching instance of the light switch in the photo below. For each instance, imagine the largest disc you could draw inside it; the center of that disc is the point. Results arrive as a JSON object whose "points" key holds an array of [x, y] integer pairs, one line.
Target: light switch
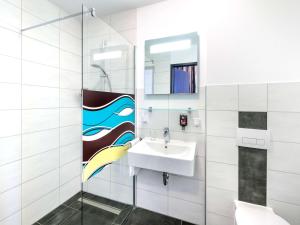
{"points": [[197, 122]]}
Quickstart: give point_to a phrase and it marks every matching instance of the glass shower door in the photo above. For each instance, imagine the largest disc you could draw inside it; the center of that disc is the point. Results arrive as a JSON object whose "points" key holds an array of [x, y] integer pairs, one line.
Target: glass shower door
{"points": [[108, 123]]}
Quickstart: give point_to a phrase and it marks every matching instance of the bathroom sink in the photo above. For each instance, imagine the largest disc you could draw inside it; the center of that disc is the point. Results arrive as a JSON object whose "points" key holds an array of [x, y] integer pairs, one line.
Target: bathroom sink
{"points": [[177, 157]]}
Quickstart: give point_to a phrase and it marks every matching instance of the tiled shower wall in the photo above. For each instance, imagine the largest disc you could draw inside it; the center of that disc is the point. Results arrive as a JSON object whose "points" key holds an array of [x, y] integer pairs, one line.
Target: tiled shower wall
{"points": [[40, 112], [281, 102], [183, 197]]}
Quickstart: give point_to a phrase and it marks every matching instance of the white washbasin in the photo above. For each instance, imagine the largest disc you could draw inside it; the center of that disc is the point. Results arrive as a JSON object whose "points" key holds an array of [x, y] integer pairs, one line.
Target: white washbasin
{"points": [[150, 153]]}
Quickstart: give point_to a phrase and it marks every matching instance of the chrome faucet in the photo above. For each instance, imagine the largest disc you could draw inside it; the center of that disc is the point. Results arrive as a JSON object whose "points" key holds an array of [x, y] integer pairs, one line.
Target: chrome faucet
{"points": [[166, 135]]}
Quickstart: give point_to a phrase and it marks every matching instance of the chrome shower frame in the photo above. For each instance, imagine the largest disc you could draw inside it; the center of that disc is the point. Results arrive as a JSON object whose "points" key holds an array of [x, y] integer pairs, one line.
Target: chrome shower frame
{"points": [[92, 11]]}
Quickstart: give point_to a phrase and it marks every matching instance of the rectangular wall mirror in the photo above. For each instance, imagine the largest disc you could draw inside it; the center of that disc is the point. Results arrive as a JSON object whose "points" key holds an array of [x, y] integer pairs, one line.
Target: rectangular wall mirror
{"points": [[171, 65]]}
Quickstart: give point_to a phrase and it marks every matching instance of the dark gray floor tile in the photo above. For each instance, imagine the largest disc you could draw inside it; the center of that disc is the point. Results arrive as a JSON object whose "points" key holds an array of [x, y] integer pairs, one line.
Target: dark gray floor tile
{"points": [[56, 211], [144, 217], [60, 217], [91, 216], [76, 219], [253, 120]]}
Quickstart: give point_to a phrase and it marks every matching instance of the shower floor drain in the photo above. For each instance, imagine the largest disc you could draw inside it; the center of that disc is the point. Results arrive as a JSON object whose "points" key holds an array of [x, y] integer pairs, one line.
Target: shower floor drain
{"points": [[102, 206]]}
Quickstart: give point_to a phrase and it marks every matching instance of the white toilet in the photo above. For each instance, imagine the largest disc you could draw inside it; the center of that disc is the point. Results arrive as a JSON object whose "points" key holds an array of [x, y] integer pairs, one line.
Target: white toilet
{"points": [[251, 214]]}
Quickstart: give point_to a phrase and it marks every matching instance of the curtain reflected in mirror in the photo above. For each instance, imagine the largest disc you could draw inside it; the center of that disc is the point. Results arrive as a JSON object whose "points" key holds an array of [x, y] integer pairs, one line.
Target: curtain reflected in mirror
{"points": [[183, 78]]}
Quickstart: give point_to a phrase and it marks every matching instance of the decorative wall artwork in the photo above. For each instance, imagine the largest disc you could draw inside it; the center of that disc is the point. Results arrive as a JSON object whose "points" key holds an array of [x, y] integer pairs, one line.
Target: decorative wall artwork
{"points": [[108, 128]]}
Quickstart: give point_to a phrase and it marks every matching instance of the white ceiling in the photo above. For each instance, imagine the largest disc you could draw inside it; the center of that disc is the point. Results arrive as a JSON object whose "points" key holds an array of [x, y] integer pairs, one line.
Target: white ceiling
{"points": [[103, 7]]}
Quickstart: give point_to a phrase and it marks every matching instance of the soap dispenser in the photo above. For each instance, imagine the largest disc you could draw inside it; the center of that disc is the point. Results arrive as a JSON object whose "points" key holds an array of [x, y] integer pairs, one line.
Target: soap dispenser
{"points": [[183, 121]]}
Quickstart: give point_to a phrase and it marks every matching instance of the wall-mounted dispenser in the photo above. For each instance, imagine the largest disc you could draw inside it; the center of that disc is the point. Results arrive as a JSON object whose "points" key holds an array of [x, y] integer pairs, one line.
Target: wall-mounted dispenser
{"points": [[183, 121]]}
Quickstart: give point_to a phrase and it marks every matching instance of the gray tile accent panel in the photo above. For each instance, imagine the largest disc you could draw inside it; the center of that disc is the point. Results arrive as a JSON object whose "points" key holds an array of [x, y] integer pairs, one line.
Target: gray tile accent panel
{"points": [[253, 120], [252, 175]]}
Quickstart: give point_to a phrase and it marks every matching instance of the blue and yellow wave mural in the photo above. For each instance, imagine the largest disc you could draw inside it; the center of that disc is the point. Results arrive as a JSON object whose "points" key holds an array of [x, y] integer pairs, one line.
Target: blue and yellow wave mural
{"points": [[108, 127]]}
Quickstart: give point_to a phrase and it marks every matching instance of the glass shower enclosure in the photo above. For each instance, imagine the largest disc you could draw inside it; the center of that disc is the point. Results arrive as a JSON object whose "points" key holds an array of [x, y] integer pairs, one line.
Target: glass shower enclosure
{"points": [[93, 105], [108, 123]]}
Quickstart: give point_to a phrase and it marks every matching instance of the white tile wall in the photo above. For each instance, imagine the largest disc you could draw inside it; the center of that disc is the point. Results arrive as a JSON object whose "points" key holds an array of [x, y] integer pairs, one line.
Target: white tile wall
{"points": [[253, 97], [37, 188], [31, 74], [10, 96], [69, 189], [280, 101], [70, 79], [10, 202], [10, 16], [222, 97], [70, 116], [10, 148], [290, 152], [39, 142], [222, 149], [37, 165], [151, 181], [39, 52], [222, 123], [99, 187], [285, 126], [10, 44], [187, 189], [70, 134], [70, 171], [34, 97], [220, 201], [39, 208], [34, 144], [70, 152], [186, 211], [10, 121], [8, 179], [12, 220], [120, 192], [13, 65], [39, 119], [214, 219], [284, 187], [152, 201], [70, 98], [223, 176], [283, 97], [120, 174]]}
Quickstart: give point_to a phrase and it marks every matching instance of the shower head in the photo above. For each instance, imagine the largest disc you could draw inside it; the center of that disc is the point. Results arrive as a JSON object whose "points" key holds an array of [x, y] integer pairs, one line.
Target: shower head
{"points": [[96, 66], [100, 68], [93, 12], [105, 74]]}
